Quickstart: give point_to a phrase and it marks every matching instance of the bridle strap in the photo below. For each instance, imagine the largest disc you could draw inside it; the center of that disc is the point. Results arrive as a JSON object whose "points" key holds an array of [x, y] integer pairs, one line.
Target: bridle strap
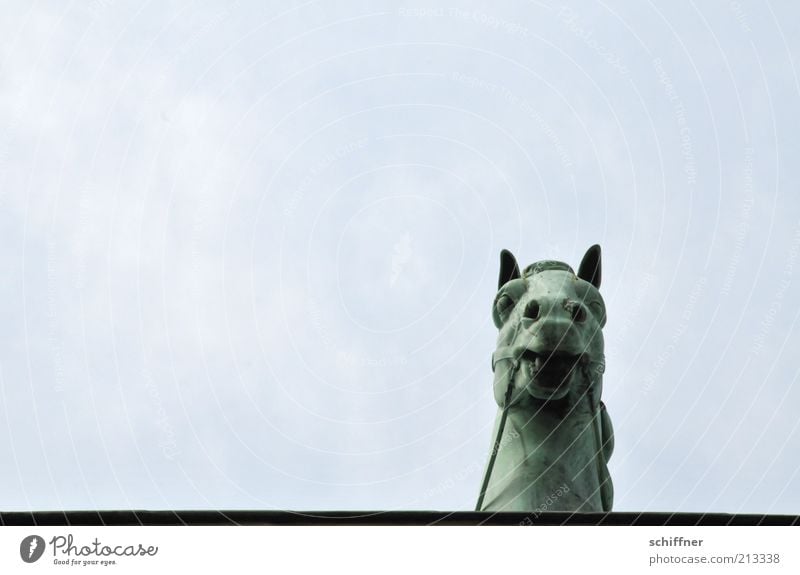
{"points": [[506, 352]]}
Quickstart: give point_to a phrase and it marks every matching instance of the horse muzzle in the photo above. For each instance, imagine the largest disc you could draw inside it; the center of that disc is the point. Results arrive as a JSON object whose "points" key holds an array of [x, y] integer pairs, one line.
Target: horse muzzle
{"points": [[550, 374]]}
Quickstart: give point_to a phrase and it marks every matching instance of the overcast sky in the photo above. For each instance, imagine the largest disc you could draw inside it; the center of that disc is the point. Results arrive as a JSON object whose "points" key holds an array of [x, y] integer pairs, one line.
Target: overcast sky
{"points": [[250, 248]]}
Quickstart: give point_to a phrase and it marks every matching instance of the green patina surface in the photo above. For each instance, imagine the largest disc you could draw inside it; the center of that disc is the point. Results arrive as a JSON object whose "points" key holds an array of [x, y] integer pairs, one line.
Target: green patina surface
{"points": [[552, 435]]}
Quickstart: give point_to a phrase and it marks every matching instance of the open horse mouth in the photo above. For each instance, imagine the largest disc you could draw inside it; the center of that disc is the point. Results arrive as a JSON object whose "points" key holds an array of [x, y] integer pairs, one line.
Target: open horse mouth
{"points": [[549, 373]]}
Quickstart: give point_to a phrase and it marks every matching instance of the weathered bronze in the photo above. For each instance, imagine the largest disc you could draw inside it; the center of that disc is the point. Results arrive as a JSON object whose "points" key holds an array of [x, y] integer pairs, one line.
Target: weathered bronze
{"points": [[552, 436]]}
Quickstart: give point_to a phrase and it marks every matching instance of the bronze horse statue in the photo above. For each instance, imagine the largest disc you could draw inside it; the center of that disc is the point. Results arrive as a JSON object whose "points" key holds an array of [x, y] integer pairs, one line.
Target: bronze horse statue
{"points": [[552, 435]]}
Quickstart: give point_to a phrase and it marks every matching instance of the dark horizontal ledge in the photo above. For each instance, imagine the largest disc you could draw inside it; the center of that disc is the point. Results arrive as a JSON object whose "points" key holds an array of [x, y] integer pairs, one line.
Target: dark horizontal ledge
{"points": [[244, 517]]}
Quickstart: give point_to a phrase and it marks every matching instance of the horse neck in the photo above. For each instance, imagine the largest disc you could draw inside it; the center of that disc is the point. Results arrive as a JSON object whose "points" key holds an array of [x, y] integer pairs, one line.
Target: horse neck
{"points": [[547, 458], [566, 428]]}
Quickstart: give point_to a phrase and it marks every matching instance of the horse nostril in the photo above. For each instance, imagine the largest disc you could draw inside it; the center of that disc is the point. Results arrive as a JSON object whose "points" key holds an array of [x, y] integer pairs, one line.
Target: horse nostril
{"points": [[532, 310], [578, 314]]}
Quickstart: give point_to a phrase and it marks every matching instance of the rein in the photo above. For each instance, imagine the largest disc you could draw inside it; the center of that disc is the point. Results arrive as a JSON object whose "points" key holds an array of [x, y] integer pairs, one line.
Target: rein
{"points": [[594, 397], [502, 353]]}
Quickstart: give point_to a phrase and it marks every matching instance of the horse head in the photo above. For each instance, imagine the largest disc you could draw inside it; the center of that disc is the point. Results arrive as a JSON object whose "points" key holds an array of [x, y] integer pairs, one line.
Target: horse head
{"points": [[550, 320], [553, 434]]}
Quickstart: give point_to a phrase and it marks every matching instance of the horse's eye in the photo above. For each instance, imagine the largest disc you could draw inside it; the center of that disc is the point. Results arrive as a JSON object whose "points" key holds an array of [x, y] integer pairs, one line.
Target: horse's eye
{"points": [[504, 303], [599, 311], [502, 309]]}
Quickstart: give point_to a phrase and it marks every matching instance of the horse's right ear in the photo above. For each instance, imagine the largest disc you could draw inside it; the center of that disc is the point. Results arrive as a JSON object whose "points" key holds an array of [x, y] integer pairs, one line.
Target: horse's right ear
{"points": [[591, 266], [509, 270]]}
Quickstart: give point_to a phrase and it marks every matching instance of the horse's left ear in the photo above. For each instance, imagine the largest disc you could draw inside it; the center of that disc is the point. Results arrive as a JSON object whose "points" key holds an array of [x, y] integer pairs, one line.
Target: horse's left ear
{"points": [[591, 267], [509, 269]]}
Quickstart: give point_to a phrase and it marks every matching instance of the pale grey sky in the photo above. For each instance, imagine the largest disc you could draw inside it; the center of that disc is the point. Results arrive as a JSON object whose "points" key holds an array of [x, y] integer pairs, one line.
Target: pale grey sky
{"points": [[250, 248]]}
